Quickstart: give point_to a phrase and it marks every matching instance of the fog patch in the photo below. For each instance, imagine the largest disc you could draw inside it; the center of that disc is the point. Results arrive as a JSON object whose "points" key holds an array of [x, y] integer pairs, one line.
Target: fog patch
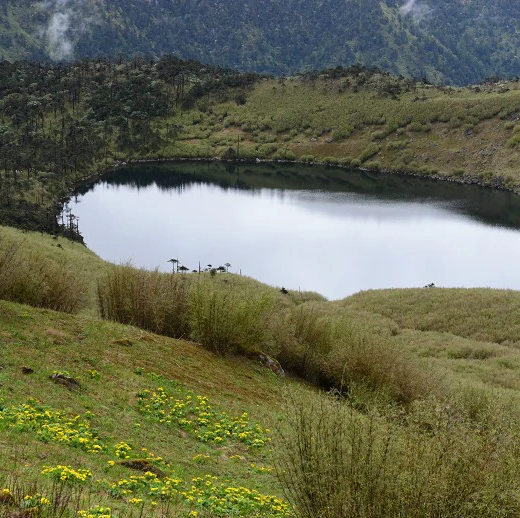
{"points": [[68, 21], [419, 11]]}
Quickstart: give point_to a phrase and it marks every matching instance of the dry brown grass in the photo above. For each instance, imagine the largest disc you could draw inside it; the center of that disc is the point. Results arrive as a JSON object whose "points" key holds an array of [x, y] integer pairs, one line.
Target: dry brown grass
{"points": [[29, 277], [434, 461]]}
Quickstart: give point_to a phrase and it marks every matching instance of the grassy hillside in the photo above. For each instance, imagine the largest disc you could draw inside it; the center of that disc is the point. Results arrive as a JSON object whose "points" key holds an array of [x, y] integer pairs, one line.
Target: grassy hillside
{"points": [[118, 437], [97, 415], [421, 416], [457, 134]]}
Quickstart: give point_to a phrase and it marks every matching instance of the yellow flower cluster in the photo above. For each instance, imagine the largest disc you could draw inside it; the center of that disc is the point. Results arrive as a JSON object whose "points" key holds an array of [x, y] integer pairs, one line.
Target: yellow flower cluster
{"points": [[122, 450], [35, 502], [222, 500], [94, 374], [154, 459], [194, 414], [202, 494], [67, 475], [96, 512], [51, 426], [147, 485]]}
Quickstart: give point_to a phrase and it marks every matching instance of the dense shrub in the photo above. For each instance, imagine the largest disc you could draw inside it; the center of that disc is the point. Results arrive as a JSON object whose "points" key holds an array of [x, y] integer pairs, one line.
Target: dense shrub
{"points": [[334, 462], [151, 300], [30, 278]]}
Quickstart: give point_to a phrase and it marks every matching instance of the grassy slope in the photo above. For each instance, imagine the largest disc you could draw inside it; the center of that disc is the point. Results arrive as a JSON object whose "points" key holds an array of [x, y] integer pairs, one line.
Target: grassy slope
{"points": [[47, 341], [462, 134], [87, 265], [469, 335], [466, 338]]}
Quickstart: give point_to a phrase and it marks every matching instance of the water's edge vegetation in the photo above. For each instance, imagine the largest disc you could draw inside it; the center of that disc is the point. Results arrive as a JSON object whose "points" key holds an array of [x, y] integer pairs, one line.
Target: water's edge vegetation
{"points": [[64, 123]]}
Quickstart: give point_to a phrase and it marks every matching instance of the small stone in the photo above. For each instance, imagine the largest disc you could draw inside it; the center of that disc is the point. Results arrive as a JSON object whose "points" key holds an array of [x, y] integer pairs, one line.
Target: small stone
{"points": [[62, 379]]}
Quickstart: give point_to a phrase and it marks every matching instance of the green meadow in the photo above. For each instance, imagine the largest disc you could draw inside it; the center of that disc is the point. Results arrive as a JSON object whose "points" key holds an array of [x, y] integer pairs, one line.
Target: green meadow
{"points": [[128, 393]]}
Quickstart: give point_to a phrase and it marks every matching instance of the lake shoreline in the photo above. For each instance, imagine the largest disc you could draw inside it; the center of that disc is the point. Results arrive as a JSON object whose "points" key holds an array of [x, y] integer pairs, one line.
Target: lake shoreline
{"points": [[213, 212], [494, 184]]}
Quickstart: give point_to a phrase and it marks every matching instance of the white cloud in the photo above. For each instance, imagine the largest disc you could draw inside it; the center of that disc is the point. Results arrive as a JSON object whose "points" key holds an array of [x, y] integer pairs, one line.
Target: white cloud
{"points": [[60, 46], [419, 11], [68, 20]]}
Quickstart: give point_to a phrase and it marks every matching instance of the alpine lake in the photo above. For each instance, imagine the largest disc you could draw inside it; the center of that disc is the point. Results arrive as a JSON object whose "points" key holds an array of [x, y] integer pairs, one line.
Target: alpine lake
{"points": [[309, 228]]}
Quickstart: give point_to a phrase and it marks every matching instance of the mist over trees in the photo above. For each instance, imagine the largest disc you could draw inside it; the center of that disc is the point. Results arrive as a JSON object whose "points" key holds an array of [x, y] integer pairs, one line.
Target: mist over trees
{"points": [[450, 41]]}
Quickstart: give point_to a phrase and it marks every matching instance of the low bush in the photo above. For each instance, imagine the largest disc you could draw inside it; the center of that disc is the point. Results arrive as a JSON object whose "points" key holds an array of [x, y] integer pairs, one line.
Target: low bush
{"points": [[335, 462], [342, 133], [373, 165], [284, 154], [397, 144], [307, 158], [369, 152], [266, 150], [155, 301], [30, 278]]}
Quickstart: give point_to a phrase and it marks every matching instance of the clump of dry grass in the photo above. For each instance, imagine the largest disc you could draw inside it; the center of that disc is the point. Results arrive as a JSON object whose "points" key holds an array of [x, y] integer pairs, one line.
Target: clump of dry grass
{"points": [[339, 349], [228, 319], [154, 301], [433, 461], [223, 317], [302, 340], [31, 278], [375, 365]]}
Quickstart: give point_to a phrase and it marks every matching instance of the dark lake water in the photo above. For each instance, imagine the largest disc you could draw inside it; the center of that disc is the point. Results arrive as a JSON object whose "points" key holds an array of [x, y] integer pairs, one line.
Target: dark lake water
{"points": [[328, 230]]}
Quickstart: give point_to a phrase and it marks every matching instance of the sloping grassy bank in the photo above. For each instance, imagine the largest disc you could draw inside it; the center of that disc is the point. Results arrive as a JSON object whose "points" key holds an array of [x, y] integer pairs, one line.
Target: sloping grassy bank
{"points": [[157, 427], [103, 419], [371, 121]]}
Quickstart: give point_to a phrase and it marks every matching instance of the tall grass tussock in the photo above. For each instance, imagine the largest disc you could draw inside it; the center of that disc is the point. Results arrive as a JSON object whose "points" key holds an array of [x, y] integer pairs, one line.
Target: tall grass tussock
{"points": [[225, 319], [433, 461], [29, 277], [151, 300]]}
